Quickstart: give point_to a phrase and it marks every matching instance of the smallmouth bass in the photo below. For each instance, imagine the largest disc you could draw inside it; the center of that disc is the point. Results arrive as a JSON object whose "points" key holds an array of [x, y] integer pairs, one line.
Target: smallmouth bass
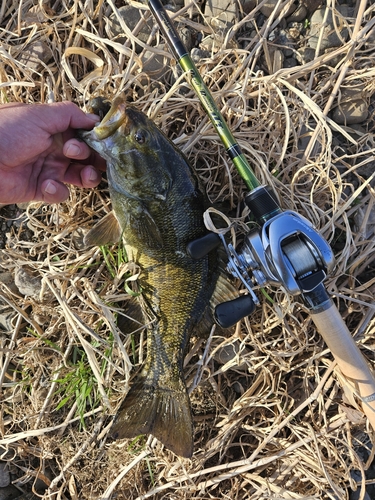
{"points": [[158, 206]]}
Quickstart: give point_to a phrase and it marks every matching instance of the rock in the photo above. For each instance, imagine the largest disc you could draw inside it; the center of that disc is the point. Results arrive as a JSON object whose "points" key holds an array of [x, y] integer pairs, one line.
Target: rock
{"points": [[28, 282], [356, 494], [351, 106], [248, 5], [304, 138], [198, 54], [11, 493], [351, 112], [187, 35], [290, 62], [221, 14], [330, 38], [367, 229], [154, 65], [8, 279], [229, 352], [311, 5], [269, 6], [37, 15], [298, 15], [294, 30], [305, 55], [4, 475], [286, 42], [131, 16], [35, 55]]}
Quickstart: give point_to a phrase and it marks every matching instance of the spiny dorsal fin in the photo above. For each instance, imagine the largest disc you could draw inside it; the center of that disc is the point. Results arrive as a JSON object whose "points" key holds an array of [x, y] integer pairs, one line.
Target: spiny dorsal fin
{"points": [[106, 231]]}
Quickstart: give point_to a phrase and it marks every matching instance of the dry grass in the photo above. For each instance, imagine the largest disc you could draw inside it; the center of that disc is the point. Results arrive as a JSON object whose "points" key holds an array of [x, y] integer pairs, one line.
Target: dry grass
{"points": [[273, 422]]}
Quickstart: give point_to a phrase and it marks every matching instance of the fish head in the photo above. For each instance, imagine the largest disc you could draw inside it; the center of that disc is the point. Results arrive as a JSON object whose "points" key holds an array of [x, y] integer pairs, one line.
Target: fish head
{"points": [[134, 149]]}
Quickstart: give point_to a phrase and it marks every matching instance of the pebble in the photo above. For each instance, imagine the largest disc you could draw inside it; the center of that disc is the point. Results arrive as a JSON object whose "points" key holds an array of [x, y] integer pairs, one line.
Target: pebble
{"points": [[330, 38], [11, 493], [290, 62], [305, 55], [286, 41], [4, 475], [356, 495], [154, 65], [198, 54], [7, 278], [268, 7], [34, 55], [304, 138], [131, 16], [351, 112], [221, 14], [351, 107], [229, 352], [298, 15], [248, 5], [27, 281]]}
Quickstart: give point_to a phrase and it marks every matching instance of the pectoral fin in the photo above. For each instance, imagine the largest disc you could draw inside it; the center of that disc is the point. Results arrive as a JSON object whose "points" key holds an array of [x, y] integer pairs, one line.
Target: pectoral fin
{"points": [[106, 231]]}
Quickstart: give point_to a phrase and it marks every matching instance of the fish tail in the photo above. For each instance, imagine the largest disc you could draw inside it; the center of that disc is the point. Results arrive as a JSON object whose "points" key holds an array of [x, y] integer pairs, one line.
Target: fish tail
{"points": [[163, 410]]}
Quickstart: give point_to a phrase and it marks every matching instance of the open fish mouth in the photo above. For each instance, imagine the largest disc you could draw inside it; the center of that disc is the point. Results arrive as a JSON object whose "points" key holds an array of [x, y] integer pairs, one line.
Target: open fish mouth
{"points": [[113, 120], [120, 115]]}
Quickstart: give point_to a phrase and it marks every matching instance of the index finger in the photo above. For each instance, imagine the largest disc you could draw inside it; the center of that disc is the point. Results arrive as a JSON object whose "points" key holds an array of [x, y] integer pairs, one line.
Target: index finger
{"points": [[78, 150]]}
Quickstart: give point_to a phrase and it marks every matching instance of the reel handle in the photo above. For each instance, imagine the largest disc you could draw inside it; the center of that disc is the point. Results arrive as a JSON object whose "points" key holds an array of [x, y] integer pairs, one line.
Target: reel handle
{"points": [[228, 313], [349, 358], [200, 247]]}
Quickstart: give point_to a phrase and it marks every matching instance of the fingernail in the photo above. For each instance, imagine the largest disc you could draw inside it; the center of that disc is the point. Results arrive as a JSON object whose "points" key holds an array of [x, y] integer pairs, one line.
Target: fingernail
{"points": [[93, 176], [73, 150], [50, 188], [93, 117]]}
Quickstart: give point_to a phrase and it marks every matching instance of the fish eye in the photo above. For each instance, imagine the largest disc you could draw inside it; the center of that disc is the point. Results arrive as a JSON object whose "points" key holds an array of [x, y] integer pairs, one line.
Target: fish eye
{"points": [[140, 136]]}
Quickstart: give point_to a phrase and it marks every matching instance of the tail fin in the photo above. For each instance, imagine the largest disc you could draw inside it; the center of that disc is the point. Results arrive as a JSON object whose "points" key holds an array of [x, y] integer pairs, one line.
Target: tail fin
{"points": [[163, 411]]}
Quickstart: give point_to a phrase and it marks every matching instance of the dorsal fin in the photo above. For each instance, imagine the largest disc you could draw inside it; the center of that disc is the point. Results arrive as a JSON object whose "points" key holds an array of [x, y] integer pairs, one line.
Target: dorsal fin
{"points": [[106, 231]]}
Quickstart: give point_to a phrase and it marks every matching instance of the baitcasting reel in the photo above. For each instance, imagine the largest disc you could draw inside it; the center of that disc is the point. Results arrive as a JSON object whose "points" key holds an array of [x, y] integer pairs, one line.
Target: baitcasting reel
{"points": [[285, 250]]}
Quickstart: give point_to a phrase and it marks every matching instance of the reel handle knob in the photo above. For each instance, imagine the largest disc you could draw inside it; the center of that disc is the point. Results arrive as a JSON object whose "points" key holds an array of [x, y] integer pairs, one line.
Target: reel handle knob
{"points": [[229, 313], [200, 247]]}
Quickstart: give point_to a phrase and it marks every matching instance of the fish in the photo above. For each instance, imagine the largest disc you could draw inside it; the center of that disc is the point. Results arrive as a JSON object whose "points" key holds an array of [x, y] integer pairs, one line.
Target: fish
{"points": [[158, 204]]}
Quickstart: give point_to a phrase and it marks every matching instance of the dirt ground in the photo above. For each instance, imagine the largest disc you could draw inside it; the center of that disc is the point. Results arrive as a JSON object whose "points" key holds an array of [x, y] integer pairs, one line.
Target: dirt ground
{"points": [[273, 416]]}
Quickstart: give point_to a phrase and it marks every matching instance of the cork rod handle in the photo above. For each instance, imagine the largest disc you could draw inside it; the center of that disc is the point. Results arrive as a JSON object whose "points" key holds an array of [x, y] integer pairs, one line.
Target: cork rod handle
{"points": [[349, 358]]}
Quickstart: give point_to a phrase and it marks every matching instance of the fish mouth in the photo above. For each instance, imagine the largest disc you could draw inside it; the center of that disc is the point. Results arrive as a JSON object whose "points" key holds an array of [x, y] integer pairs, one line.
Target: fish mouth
{"points": [[119, 116]]}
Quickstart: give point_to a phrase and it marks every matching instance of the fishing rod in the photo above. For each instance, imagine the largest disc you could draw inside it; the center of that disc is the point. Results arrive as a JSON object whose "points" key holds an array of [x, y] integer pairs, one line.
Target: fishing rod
{"points": [[286, 250]]}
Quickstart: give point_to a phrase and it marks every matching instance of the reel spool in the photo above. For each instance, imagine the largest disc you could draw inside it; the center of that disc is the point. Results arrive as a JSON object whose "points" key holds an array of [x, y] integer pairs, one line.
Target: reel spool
{"points": [[285, 251]]}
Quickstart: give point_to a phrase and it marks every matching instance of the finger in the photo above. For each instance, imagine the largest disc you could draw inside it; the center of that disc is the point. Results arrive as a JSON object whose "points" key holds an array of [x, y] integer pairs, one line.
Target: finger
{"points": [[59, 116], [53, 191], [90, 177], [77, 150], [86, 176]]}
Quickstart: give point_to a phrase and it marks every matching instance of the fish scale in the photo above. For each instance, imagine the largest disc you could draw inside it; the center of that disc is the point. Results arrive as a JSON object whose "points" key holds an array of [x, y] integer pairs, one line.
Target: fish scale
{"points": [[158, 206]]}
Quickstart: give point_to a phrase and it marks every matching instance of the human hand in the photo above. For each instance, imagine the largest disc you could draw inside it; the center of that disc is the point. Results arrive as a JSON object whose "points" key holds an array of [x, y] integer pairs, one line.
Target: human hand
{"points": [[39, 153]]}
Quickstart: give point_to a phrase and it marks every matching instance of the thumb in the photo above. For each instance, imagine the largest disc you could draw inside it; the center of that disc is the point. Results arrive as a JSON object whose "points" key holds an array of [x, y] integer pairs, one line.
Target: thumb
{"points": [[59, 116]]}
